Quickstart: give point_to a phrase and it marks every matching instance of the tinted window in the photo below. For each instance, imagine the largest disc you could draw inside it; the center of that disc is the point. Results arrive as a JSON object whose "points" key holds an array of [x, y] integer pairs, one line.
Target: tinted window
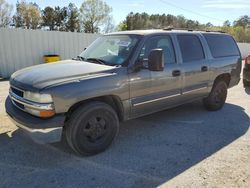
{"points": [[221, 45], [191, 48], [163, 42]]}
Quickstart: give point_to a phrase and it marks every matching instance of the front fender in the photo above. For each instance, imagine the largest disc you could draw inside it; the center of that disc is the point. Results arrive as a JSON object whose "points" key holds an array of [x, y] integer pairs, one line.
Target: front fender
{"points": [[68, 94]]}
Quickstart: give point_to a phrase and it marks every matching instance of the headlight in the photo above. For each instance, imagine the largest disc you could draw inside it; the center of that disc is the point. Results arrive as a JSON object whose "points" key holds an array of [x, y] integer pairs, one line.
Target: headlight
{"points": [[42, 99], [37, 97]]}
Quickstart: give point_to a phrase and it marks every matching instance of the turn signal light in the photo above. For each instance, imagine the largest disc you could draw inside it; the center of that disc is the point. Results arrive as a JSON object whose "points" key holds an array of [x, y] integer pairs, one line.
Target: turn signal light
{"points": [[47, 113]]}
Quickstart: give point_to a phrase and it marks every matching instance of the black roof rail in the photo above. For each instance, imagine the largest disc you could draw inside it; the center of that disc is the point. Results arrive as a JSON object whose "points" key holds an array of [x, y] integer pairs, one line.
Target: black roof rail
{"points": [[187, 29], [172, 28]]}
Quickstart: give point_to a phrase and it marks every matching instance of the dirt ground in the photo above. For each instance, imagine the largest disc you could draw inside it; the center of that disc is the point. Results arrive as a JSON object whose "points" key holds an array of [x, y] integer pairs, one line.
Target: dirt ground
{"points": [[182, 147]]}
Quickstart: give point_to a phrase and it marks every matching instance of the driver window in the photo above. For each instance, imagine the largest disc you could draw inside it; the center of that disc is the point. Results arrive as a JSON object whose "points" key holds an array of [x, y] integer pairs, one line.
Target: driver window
{"points": [[163, 42]]}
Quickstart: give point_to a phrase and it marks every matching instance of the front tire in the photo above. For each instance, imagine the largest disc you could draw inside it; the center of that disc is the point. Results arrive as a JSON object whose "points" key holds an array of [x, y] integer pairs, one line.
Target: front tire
{"points": [[217, 97], [92, 128]]}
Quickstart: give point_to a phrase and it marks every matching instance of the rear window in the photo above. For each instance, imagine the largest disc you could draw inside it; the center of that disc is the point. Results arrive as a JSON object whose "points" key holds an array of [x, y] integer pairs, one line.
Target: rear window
{"points": [[191, 48], [221, 45]]}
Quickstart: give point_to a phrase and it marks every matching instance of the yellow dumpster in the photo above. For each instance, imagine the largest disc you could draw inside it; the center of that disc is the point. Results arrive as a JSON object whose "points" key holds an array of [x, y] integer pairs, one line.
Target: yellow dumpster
{"points": [[51, 58]]}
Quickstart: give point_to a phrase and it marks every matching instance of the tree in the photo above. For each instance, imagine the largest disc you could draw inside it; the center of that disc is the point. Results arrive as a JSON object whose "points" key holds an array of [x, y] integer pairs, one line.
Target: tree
{"points": [[239, 34], [5, 13], [94, 14], [61, 18], [209, 25], [109, 26], [227, 23], [18, 18], [243, 21], [182, 22], [122, 26], [73, 23], [27, 15], [49, 18]]}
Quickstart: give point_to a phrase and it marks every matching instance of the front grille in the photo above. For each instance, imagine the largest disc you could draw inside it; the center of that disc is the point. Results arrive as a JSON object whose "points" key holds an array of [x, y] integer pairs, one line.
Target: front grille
{"points": [[17, 91], [21, 106]]}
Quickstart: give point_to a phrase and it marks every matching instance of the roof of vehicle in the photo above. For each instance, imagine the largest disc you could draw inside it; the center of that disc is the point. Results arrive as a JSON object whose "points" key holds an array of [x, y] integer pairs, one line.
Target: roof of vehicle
{"points": [[167, 30]]}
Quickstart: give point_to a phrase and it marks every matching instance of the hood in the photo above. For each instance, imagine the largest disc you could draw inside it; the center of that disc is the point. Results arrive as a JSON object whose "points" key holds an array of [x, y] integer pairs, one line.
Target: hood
{"points": [[41, 76]]}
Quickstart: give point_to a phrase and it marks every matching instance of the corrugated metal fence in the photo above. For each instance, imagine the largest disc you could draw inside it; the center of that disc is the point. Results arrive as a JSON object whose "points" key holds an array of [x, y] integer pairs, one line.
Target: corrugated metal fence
{"points": [[244, 49], [22, 48]]}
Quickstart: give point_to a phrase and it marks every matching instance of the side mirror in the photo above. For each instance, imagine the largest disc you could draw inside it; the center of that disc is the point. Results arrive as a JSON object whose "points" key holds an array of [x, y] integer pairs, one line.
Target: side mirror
{"points": [[156, 60]]}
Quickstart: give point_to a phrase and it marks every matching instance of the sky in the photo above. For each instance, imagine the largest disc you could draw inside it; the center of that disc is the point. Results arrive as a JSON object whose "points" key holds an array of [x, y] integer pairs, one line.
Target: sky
{"points": [[213, 11]]}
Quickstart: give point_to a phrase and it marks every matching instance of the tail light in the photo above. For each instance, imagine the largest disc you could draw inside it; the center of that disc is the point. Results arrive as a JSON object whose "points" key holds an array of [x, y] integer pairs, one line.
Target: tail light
{"points": [[247, 60]]}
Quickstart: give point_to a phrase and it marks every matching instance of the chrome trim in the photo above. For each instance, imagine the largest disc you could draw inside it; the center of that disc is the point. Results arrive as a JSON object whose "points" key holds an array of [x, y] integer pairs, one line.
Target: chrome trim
{"points": [[13, 102], [158, 99], [30, 104], [11, 86], [198, 89]]}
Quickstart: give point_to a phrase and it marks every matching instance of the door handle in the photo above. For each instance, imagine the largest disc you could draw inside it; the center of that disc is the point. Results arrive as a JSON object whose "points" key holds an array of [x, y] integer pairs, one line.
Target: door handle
{"points": [[176, 73], [204, 69]]}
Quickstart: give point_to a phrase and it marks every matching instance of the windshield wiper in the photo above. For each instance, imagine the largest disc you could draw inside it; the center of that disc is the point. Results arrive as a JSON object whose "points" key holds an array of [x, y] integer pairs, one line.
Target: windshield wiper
{"points": [[100, 61], [78, 58]]}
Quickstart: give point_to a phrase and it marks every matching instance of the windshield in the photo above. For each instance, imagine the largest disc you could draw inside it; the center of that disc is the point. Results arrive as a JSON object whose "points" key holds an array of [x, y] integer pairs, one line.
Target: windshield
{"points": [[110, 49]]}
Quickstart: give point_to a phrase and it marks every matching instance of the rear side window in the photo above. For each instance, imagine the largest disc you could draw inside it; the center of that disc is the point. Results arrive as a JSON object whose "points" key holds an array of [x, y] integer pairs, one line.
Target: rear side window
{"points": [[221, 45], [191, 48]]}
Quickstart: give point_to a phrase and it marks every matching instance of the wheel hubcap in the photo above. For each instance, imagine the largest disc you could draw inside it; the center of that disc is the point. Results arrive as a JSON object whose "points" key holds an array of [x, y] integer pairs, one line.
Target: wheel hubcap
{"points": [[95, 128]]}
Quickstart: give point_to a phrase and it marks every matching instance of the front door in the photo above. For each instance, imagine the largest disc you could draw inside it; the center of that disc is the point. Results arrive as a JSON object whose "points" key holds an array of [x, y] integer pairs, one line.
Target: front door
{"points": [[152, 91]]}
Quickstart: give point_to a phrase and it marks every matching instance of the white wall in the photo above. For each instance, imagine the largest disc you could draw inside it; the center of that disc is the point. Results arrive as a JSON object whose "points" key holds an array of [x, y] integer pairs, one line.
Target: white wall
{"points": [[21, 48], [244, 49]]}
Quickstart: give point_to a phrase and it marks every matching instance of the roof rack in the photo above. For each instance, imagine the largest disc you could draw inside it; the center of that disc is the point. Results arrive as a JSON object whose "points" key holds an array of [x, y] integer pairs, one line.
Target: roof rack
{"points": [[190, 30]]}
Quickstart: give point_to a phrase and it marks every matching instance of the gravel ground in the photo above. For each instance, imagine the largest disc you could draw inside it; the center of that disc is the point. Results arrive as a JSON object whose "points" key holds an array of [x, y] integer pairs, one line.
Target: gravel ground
{"points": [[182, 147]]}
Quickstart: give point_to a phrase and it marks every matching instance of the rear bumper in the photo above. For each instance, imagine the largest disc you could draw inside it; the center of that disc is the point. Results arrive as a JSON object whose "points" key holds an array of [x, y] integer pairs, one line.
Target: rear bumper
{"points": [[246, 74], [44, 130]]}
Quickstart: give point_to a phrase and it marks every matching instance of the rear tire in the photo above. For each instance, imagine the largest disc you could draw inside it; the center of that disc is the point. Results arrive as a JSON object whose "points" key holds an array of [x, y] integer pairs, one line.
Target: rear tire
{"points": [[217, 96], [246, 83], [92, 128]]}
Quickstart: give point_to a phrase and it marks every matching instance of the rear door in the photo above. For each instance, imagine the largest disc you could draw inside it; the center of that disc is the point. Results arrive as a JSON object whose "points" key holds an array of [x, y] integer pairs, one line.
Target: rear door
{"points": [[194, 67]]}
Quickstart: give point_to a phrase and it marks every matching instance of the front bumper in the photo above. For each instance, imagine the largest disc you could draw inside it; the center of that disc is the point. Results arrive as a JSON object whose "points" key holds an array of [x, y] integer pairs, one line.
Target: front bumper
{"points": [[246, 74], [44, 130]]}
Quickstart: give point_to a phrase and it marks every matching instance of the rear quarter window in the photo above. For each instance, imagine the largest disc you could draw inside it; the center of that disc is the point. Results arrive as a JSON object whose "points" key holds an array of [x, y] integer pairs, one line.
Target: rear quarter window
{"points": [[221, 45]]}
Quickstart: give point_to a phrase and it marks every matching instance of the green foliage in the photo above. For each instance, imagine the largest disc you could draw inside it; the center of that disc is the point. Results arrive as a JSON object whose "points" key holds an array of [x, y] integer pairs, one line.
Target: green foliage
{"points": [[122, 26], [109, 25], [240, 33], [156, 21], [5, 13], [49, 17], [73, 23], [27, 15], [94, 14], [243, 21], [240, 29], [62, 19]]}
